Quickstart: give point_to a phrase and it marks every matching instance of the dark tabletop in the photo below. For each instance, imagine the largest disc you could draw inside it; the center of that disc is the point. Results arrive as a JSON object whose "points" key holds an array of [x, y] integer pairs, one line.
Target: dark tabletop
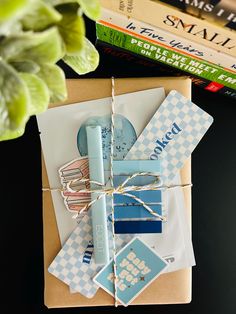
{"points": [[213, 211]]}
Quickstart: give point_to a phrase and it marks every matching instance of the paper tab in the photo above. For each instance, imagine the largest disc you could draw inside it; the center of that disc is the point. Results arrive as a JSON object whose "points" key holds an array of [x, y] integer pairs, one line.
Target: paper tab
{"points": [[139, 226], [135, 211], [129, 167], [146, 196]]}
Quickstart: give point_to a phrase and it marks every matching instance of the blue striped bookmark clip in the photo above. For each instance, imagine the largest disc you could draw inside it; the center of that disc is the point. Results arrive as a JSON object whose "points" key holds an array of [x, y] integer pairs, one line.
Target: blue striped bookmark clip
{"points": [[130, 216]]}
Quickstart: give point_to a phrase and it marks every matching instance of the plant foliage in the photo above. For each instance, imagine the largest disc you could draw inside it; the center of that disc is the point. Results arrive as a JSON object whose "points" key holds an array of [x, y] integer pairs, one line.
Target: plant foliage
{"points": [[34, 35]]}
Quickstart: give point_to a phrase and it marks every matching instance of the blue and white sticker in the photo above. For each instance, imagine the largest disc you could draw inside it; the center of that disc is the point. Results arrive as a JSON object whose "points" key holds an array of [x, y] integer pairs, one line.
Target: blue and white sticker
{"points": [[137, 266]]}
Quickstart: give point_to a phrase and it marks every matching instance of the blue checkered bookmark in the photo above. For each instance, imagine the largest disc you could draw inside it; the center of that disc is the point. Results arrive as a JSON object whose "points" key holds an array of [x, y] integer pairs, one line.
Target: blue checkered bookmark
{"points": [[172, 134], [75, 264]]}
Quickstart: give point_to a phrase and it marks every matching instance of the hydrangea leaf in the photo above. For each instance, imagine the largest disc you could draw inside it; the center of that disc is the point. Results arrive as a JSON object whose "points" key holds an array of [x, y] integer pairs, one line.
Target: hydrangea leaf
{"points": [[91, 8], [85, 61], [40, 16], [14, 99], [10, 8], [11, 134], [41, 47], [11, 26], [54, 77], [27, 66], [38, 92], [71, 27]]}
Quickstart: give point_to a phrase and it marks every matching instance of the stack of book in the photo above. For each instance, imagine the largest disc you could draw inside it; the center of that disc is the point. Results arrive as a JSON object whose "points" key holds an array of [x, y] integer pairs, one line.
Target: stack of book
{"points": [[192, 37]]}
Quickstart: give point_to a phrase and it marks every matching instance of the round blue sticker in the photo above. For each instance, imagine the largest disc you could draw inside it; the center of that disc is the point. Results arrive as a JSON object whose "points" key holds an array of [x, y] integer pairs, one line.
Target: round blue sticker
{"points": [[124, 136]]}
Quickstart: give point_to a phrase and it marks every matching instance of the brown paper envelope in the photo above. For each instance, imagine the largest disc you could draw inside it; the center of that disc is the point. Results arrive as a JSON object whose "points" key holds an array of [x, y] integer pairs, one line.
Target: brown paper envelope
{"points": [[169, 288]]}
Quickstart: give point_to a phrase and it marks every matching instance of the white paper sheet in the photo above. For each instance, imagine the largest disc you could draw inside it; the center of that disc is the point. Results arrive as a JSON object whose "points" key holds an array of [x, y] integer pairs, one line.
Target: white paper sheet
{"points": [[59, 127]]}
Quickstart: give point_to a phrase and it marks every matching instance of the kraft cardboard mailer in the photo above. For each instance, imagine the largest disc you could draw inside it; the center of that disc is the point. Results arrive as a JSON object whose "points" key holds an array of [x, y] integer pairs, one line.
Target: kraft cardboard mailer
{"points": [[169, 288]]}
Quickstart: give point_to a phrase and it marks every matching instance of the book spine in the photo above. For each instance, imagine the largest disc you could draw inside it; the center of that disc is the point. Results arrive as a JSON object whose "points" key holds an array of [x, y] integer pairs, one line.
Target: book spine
{"points": [[167, 40], [176, 22], [169, 57], [228, 92], [130, 59], [135, 60], [218, 12]]}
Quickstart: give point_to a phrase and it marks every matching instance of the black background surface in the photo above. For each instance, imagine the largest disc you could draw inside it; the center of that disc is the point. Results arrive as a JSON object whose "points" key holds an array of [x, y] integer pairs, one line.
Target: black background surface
{"points": [[213, 207]]}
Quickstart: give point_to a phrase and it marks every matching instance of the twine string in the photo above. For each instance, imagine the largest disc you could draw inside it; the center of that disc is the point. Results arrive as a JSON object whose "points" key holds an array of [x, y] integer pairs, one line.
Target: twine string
{"points": [[112, 185], [123, 190], [137, 188]]}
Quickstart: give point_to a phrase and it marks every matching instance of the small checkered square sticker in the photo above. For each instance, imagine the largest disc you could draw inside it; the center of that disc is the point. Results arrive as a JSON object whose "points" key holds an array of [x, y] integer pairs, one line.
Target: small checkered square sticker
{"points": [[172, 134]]}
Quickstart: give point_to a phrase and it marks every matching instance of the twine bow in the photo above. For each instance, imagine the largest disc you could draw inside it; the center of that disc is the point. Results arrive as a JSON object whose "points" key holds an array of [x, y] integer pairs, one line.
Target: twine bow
{"points": [[121, 189]]}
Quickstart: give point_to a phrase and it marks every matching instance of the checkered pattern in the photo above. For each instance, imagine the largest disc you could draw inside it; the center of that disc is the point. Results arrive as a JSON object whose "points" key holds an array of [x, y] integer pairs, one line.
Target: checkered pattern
{"points": [[194, 123], [68, 265]]}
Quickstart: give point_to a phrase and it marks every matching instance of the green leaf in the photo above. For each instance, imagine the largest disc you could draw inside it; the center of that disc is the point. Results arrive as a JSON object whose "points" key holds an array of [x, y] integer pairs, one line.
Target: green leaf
{"points": [[85, 61], [40, 47], [27, 66], [54, 77], [11, 134], [14, 99], [71, 27], [10, 8], [12, 26], [58, 2], [50, 50], [40, 16], [91, 8], [38, 91]]}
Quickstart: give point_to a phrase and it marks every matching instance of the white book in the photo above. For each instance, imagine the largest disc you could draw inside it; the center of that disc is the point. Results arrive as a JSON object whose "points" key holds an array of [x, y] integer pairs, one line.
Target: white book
{"points": [[165, 39]]}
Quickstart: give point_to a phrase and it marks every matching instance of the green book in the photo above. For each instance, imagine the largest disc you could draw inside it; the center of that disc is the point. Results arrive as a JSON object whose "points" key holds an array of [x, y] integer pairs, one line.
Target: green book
{"points": [[182, 62]]}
